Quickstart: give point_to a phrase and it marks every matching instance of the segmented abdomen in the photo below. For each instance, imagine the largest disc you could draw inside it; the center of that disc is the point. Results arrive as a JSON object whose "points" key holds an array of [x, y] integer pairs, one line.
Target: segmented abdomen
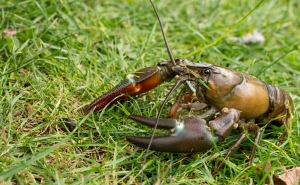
{"points": [[280, 105]]}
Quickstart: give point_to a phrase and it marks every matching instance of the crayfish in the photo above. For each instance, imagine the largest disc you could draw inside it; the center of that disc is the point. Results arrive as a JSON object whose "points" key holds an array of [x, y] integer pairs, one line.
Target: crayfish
{"points": [[236, 101]]}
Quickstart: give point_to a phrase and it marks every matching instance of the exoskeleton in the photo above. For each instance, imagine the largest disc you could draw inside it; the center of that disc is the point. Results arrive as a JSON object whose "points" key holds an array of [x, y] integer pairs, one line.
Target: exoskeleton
{"points": [[235, 100]]}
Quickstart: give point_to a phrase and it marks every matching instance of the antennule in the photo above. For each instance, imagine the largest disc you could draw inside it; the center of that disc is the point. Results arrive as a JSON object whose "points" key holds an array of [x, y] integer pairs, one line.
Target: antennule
{"points": [[163, 34]]}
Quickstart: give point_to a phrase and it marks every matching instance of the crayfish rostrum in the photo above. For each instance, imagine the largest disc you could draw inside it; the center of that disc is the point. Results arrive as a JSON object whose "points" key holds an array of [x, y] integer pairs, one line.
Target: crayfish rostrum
{"points": [[236, 101]]}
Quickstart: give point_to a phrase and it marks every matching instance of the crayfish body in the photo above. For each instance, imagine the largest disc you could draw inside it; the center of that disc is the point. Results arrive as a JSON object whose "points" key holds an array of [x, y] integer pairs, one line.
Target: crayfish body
{"points": [[236, 100], [240, 100]]}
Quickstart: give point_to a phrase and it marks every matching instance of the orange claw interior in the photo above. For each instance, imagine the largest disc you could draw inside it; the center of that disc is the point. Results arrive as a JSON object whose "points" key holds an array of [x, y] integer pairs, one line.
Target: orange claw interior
{"points": [[142, 81]]}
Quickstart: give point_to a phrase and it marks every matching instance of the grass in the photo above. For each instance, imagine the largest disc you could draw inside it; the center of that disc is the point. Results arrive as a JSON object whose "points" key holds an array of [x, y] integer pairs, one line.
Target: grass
{"points": [[67, 53]]}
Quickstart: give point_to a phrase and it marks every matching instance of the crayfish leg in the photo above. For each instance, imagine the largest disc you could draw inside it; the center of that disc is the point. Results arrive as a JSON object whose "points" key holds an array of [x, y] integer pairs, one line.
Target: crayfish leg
{"points": [[230, 151], [188, 101], [250, 125]]}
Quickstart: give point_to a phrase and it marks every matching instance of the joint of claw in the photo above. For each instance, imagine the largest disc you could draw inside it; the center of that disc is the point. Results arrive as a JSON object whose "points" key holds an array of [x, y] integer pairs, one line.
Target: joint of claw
{"points": [[235, 126], [225, 110]]}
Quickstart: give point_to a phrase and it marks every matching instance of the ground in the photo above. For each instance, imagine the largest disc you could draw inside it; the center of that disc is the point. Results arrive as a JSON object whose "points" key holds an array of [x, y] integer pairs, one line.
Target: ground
{"points": [[58, 56]]}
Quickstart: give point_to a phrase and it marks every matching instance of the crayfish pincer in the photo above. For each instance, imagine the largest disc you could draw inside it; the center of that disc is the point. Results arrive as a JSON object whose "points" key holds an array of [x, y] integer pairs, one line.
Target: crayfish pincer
{"points": [[192, 134], [229, 100]]}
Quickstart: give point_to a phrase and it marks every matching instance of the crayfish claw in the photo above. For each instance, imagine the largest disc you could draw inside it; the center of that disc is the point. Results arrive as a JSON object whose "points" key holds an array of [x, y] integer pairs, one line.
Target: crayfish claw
{"points": [[134, 84], [190, 135]]}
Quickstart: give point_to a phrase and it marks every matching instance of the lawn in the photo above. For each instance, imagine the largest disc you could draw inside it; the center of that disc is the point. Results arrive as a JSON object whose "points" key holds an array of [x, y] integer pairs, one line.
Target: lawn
{"points": [[58, 56]]}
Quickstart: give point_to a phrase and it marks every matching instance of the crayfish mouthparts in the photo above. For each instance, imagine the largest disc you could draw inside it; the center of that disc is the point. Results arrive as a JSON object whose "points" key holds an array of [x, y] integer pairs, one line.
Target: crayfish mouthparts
{"points": [[193, 134]]}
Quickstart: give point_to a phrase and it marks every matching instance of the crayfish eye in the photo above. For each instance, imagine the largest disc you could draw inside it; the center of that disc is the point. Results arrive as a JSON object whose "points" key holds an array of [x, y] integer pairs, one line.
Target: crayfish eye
{"points": [[207, 71]]}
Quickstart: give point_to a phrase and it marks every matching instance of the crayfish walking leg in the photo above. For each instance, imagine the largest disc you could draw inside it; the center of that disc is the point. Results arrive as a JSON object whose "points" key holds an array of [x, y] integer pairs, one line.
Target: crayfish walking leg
{"points": [[249, 126]]}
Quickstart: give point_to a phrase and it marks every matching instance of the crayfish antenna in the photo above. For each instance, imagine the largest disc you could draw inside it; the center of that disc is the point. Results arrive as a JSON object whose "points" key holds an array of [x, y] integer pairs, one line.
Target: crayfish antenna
{"points": [[163, 34]]}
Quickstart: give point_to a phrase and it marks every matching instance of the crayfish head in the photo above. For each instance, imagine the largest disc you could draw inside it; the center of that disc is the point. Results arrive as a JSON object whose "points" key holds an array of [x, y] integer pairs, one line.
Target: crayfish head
{"points": [[221, 81]]}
